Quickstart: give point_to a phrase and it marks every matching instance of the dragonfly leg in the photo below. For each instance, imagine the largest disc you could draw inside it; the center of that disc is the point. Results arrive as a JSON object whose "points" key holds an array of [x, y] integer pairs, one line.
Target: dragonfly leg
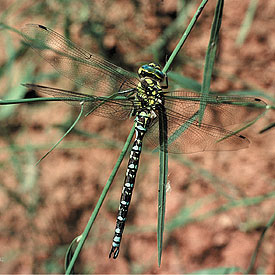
{"points": [[165, 86]]}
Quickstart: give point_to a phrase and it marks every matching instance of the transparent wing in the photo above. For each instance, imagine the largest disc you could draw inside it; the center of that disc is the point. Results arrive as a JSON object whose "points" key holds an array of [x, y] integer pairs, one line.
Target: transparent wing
{"points": [[220, 110], [185, 135], [80, 66], [119, 109]]}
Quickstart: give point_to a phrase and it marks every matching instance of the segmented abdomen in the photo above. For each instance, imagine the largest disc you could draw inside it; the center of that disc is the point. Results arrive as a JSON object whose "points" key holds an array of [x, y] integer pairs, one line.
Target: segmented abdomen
{"points": [[141, 124]]}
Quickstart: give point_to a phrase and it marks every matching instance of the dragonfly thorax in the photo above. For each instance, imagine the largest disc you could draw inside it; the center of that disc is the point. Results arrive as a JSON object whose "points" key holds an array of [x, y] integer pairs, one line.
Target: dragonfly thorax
{"points": [[148, 94]]}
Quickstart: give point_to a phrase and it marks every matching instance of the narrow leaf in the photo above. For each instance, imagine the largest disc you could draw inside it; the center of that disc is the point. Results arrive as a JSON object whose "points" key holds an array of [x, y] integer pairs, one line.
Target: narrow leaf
{"points": [[67, 132], [100, 202], [163, 158], [210, 56]]}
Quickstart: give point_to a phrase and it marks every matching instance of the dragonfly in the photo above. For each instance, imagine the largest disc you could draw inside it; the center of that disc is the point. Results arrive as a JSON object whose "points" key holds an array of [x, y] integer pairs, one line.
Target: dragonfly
{"points": [[118, 94]]}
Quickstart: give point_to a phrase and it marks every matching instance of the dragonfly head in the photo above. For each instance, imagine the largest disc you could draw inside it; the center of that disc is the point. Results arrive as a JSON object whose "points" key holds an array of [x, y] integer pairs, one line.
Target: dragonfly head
{"points": [[151, 70]]}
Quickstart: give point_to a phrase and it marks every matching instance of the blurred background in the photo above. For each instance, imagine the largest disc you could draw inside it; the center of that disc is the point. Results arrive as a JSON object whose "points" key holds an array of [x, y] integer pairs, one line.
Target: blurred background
{"points": [[218, 203]]}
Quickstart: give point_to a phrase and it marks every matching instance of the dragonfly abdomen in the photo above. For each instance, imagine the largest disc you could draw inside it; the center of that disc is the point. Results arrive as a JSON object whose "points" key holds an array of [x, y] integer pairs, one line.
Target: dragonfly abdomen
{"points": [[142, 122]]}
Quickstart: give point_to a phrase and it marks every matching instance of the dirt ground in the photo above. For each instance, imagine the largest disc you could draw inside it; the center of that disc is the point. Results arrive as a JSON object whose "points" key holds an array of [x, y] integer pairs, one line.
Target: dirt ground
{"points": [[218, 203]]}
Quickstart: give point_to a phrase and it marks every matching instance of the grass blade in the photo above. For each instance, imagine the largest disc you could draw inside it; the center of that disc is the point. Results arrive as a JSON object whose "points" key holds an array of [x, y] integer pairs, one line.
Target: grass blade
{"points": [[164, 140], [210, 56], [88, 227], [185, 82], [218, 270], [247, 22], [184, 36], [67, 132], [270, 223], [163, 172]]}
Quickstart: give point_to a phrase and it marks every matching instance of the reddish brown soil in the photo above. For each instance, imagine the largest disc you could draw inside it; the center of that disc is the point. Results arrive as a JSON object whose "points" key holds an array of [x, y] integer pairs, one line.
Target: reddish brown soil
{"points": [[44, 208]]}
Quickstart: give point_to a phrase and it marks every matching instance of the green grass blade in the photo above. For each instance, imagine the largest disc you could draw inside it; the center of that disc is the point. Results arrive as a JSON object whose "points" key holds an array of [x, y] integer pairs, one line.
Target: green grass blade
{"points": [[185, 82], [88, 227], [14, 92], [67, 132], [185, 215], [220, 185], [270, 223], [163, 172], [247, 22], [184, 36], [163, 140], [218, 270], [38, 99], [172, 29], [210, 56], [3, 26], [70, 252], [5, 67]]}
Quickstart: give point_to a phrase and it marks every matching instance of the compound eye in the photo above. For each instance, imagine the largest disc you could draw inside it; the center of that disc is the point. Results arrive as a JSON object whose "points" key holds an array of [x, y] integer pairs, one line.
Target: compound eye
{"points": [[151, 70]]}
